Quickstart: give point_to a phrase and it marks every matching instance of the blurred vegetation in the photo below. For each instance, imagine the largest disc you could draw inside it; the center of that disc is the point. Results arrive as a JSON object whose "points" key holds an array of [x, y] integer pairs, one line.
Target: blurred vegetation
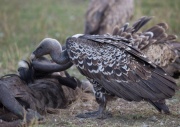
{"points": [[23, 24]]}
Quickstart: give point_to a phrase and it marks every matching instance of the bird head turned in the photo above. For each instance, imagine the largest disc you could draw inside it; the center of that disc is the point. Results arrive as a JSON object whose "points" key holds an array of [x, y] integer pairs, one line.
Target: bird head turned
{"points": [[46, 46]]}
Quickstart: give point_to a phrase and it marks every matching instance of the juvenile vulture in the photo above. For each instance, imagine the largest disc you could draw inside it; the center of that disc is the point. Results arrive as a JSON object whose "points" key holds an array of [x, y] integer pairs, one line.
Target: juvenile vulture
{"points": [[115, 67], [163, 49], [36, 91], [103, 14]]}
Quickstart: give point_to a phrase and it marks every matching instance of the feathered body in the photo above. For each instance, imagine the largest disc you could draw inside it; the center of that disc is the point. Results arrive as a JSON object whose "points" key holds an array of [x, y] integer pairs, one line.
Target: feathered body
{"points": [[118, 68], [160, 47], [103, 14], [116, 65]]}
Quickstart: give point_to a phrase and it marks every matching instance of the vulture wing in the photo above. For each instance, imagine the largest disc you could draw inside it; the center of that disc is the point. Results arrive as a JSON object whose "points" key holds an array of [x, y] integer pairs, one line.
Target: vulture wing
{"points": [[120, 68], [160, 47]]}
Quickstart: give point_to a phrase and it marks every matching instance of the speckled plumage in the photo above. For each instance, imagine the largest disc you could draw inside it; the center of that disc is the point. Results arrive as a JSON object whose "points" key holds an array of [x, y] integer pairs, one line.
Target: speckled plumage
{"points": [[160, 47], [116, 65], [120, 69]]}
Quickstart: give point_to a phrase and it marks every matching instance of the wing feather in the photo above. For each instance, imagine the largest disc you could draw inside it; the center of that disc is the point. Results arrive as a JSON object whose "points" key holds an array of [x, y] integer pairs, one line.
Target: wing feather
{"points": [[121, 69]]}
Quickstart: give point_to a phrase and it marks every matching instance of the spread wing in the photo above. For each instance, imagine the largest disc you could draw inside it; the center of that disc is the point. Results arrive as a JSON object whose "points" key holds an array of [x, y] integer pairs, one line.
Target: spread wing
{"points": [[121, 69]]}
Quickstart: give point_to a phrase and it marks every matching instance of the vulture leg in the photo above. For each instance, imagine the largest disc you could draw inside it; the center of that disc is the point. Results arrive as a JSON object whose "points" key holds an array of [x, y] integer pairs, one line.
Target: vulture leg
{"points": [[101, 113], [9, 101]]}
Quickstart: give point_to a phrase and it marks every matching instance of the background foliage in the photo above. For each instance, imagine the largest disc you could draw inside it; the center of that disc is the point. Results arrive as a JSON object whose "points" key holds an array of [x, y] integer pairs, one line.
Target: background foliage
{"points": [[23, 24]]}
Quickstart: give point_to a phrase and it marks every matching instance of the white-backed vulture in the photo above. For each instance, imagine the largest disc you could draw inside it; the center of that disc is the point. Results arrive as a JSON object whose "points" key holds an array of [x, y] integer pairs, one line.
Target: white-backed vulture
{"points": [[114, 66], [163, 49]]}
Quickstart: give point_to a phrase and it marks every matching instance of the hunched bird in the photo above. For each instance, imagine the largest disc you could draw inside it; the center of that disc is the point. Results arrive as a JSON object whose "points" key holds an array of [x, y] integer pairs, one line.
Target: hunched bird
{"points": [[115, 68], [101, 15]]}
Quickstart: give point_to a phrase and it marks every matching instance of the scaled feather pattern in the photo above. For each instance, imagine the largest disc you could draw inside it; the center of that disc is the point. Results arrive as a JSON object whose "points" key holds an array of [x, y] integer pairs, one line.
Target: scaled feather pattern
{"points": [[160, 47], [121, 69]]}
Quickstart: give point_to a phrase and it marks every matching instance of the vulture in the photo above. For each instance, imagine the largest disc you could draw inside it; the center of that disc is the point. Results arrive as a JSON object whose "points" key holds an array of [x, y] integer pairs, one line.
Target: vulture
{"points": [[163, 49], [103, 14], [36, 90], [114, 66]]}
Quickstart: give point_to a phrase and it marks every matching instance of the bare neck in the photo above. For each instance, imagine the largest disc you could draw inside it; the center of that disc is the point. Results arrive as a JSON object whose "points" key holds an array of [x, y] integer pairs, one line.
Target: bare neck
{"points": [[60, 57]]}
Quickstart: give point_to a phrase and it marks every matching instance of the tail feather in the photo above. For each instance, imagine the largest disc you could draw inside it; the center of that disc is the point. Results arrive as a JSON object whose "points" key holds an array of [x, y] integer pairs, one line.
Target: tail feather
{"points": [[160, 106], [140, 23]]}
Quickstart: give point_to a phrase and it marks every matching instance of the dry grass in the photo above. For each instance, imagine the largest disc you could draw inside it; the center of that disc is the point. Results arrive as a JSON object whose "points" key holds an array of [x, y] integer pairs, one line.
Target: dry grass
{"points": [[133, 114], [24, 24]]}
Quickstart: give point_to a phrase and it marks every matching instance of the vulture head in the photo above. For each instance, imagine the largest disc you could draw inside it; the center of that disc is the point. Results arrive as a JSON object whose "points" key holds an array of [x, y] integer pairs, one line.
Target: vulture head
{"points": [[47, 46], [54, 49]]}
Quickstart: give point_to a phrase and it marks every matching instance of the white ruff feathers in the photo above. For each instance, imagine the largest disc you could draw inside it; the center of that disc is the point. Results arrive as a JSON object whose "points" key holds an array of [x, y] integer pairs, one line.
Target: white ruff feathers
{"points": [[23, 64], [77, 35]]}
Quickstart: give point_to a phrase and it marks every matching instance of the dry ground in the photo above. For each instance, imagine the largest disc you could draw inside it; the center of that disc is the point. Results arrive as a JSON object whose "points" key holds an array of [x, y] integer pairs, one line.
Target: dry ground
{"points": [[23, 24], [125, 114]]}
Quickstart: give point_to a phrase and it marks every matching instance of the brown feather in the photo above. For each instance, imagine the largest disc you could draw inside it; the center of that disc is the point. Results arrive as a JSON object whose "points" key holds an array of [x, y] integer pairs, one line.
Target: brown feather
{"points": [[113, 76], [157, 48], [101, 15]]}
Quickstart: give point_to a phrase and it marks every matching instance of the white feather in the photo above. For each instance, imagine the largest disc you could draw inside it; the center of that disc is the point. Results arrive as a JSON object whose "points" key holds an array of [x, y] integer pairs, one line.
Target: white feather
{"points": [[77, 35], [23, 64]]}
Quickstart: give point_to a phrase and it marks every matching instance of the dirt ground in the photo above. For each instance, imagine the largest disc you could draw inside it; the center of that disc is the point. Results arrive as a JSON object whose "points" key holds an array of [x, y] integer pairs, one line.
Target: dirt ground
{"points": [[125, 114]]}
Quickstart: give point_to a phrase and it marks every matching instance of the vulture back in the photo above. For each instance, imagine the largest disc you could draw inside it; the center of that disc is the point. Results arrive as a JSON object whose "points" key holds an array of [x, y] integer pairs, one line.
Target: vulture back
{"points": [[160, 47], [103, 14], [115, 65]]}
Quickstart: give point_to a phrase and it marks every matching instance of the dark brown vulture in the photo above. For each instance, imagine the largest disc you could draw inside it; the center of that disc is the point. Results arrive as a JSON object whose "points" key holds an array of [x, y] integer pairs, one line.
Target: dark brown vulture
{"points": [[35, 90], [115, 68], [103, 14], [163, 49]]}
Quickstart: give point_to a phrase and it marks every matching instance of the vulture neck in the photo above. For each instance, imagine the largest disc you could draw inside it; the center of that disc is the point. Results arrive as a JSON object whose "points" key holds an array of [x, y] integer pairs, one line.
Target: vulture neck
{"points": [[60, 57]]}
